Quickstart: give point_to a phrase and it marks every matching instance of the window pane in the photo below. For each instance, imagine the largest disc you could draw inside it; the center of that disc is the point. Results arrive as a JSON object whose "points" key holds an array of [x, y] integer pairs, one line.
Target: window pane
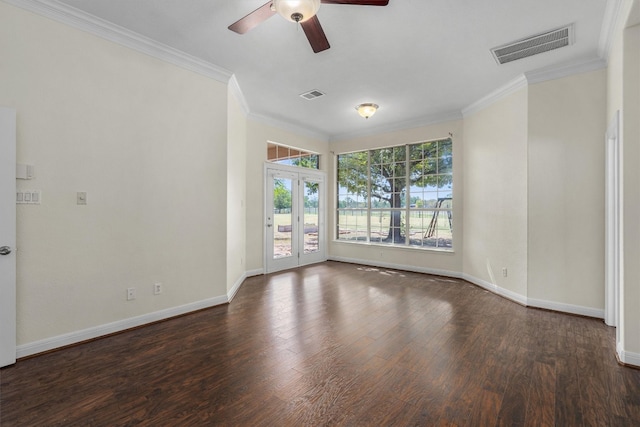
{"points": [[415, 152], [431, 229], [379, 225], [445, 156], [282, 218], [310, 217], [291, 156], [352, 225], [445, 187], [400, 154], [388, 226], [352, 180], [399, 170], [430, 199]]}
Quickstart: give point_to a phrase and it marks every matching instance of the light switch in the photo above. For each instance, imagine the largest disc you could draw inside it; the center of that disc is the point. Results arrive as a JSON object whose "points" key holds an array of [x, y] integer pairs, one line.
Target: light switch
{"points": [[28, 197]]}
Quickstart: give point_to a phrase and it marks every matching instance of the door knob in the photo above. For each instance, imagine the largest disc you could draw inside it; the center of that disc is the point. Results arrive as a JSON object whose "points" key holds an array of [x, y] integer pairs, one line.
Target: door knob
{"points": [[5, 250]]}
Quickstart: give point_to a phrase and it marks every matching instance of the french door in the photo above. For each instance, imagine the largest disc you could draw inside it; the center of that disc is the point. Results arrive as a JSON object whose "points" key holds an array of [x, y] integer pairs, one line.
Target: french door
{"points": [[294, 217]]}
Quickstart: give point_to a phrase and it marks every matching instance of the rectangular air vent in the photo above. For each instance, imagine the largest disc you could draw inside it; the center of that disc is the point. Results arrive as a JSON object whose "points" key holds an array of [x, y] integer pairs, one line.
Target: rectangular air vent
{"points": [[534, 45], [312, 94]]}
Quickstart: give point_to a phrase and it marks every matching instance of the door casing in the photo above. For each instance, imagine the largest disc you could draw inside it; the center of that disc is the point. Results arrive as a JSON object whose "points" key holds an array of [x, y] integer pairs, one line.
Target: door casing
{"points": [[8, 236]]}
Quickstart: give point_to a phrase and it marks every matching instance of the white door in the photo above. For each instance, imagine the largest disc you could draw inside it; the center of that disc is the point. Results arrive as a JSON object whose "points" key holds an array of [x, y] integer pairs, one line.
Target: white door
{"points": [[7, 236], [294, 217]]}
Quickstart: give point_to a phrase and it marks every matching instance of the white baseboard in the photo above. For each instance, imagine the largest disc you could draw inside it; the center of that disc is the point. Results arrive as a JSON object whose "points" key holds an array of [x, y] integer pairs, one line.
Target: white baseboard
{"points": [[113, 327], [627, 357], [402, 267], [513, 296], [491, 287], [236, 286], [566, 308], [256, 272]]}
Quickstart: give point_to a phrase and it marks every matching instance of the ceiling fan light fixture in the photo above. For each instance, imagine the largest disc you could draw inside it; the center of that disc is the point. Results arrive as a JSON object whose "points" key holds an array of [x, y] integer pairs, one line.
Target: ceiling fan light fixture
{"points": [[296, 10], [367, 110]]}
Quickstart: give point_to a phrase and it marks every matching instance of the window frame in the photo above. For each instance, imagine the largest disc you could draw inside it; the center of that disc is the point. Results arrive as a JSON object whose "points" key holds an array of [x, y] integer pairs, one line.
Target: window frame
{"points": [[435, 214]]}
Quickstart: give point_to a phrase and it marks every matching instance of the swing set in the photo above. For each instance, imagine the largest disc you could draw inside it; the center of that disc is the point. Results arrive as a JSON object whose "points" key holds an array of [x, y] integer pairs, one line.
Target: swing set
{"points": [[433, 225]]}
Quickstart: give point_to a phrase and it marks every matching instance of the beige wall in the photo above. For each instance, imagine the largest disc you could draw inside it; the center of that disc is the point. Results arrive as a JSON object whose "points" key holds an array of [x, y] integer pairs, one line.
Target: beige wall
{"points": [[258, 134], [420, 260], [495, 194], [236, 193], [147, 142], [566, 189], [631, 183]]}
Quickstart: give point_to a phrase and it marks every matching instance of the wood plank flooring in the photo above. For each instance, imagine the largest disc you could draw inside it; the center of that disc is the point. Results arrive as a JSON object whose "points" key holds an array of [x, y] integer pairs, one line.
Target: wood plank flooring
{"points": [[336, 344]]}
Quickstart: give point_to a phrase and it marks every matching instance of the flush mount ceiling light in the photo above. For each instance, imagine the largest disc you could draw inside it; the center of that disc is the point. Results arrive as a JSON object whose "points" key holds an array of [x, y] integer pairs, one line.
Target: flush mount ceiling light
{"points": [[367, 110], [296, 10]]}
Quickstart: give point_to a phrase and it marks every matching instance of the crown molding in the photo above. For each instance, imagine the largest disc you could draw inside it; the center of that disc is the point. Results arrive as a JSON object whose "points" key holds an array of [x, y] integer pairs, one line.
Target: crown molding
{"points": [[533, 77], [614, 15], [73, 17], [448, 116], [498, 94], [565, 70], [288, 126], [236, 91]]}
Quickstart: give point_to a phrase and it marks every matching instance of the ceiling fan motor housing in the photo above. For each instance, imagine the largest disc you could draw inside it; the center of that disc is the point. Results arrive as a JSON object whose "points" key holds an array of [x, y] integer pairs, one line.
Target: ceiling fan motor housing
{"points": [[297, 10]]}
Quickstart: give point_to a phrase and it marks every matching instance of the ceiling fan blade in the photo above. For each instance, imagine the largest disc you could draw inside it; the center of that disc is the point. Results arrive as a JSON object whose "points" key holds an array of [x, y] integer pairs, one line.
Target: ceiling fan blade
{"points": [[360, 2], [252, 20], [315, 34]]}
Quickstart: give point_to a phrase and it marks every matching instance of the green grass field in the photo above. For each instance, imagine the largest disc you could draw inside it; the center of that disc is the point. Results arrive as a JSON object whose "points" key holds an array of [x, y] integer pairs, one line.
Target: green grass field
{"points": [[424, 229], [352, 226]]}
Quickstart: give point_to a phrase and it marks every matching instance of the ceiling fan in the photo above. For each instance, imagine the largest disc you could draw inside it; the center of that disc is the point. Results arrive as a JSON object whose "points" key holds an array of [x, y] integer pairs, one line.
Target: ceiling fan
{"points": [[299, 11]]}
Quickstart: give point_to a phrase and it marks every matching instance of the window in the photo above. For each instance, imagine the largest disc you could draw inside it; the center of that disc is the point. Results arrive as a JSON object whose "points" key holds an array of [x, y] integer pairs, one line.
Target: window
{"points": [[397, 195], [284, 155]]}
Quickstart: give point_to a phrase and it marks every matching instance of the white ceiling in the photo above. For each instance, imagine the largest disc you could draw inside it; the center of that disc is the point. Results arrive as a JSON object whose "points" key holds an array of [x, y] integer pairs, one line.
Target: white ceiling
{"points": [[417, 59]]}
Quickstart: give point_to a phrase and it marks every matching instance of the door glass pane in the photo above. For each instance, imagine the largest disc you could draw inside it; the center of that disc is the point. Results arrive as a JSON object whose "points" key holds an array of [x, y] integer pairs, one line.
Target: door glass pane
{"points": [[310, 215], [282, 217]]}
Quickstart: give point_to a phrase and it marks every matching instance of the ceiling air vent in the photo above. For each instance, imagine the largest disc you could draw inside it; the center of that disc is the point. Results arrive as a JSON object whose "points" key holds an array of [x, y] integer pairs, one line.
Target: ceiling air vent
{"points": [[534, 45], [312, 94]]}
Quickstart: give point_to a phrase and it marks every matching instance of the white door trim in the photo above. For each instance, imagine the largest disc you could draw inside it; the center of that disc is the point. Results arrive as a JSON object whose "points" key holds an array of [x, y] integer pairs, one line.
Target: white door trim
{"points": [[613, 226], [8, 236]]}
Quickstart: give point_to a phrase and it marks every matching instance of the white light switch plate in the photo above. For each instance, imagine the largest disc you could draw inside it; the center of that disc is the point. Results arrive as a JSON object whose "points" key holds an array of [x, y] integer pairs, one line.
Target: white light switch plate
{"points": [[28, 197]]}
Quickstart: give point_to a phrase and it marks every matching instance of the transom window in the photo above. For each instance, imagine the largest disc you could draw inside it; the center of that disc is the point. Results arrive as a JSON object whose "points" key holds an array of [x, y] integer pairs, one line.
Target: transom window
{"points": [[397, 195], [284, 155]]}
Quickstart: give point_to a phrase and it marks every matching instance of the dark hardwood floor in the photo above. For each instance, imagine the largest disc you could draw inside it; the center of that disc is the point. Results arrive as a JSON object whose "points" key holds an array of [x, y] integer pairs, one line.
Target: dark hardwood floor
{"points": [[336, 344]]}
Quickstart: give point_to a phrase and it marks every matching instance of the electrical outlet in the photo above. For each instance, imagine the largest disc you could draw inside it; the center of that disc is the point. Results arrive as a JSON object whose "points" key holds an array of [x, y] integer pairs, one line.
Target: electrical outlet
{"points": [[131, 294], [157, 288], [504, 271], [81, 198]]}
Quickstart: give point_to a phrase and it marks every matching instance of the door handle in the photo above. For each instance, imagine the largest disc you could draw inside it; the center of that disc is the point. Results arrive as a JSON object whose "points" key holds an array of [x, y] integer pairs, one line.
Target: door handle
{"points": [[268, 225], [5, 250]]}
